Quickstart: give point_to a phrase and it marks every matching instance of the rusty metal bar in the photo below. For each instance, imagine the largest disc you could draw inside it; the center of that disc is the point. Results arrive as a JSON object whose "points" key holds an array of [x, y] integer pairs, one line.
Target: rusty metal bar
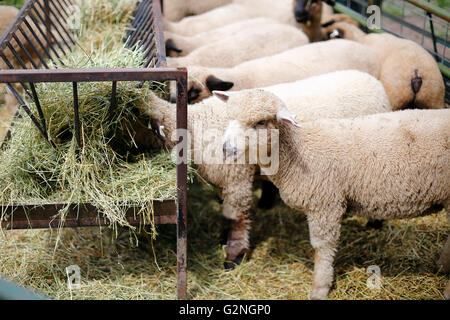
{"points": [[27, 110], [89, 75], [24, 216], [25, 51], [36, 37], [49, 43], [77, 114], [41, 59], [113, 97], [159, 32], [181, 150], [39, 109]]}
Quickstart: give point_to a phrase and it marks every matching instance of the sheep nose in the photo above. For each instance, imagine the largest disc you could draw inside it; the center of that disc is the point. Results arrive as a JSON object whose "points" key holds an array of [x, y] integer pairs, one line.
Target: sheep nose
{"points": [[301, 16], [173, 99], [228, 150]]}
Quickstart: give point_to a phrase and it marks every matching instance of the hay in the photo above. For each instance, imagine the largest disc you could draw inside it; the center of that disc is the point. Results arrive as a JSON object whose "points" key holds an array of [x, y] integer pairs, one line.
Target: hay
{"points": [[281, 265], [103, 172]]}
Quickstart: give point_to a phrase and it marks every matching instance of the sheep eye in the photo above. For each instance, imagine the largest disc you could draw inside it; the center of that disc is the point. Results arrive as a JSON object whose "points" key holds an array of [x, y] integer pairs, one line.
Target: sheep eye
{"points": [[261, 123], [193, 95]]}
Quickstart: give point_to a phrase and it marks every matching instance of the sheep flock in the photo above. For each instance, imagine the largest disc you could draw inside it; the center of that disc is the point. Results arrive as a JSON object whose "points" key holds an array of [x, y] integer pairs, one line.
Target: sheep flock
{"points": [[357, 132]]}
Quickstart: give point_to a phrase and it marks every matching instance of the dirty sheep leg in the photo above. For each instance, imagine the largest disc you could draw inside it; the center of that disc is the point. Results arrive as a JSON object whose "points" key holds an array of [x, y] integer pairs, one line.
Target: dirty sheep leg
{"points": [[447, 291], [324, 230], [238, 190], [444, 261]]}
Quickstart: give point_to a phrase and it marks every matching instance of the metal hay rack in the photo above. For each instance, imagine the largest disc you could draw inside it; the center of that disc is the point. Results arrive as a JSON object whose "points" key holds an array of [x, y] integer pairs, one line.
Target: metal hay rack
{"points": [[40, 33]]}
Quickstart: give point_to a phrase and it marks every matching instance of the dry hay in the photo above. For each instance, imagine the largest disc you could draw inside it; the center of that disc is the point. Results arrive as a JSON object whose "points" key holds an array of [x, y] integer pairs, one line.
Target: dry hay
{"points": [[111, 169], [280, 266]]}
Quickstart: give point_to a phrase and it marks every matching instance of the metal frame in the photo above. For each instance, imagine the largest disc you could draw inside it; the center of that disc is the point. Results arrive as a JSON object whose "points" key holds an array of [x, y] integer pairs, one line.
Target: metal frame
{"points": [[147, 33]]}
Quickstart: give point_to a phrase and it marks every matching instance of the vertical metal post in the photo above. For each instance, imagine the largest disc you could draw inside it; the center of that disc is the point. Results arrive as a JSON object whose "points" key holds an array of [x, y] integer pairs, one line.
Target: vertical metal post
{"points": [[181, 149], [77, 114], [47, 20]]}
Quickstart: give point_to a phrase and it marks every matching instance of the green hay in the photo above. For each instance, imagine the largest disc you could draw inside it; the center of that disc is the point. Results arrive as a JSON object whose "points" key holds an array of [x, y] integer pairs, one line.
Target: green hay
{"points": [[33, 172]]}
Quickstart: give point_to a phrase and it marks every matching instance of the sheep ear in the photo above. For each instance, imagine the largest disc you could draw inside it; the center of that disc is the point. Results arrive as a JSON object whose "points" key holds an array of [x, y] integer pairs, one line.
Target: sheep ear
{"points": [[214, 83], [221, 95], [285, 116], [157, 129], [171, 46], [328, 23]]}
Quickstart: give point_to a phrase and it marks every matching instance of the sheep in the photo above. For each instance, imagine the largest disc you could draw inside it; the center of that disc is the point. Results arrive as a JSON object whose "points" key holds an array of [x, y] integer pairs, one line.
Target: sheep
{"points": [[294, 64], [408, 72], [178, 45], [384, 166], [335, 95], [175, 10], [279, 10], [247, 45], [7, 112], [7, 15]]}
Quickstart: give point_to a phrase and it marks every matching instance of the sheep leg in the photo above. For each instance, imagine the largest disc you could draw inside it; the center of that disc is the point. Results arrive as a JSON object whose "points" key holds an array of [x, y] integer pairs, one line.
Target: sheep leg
{"points": [[324, 233], [444, 261], [237, 199], [447, 291], [237, 243]]}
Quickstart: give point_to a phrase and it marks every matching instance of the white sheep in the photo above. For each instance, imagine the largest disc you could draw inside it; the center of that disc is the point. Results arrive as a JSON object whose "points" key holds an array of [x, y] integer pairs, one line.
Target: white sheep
{"points": [[334, 95], [179, 45], [294, 64], [408, 72], [384, 166], [175, 10], [7, 15], [249, 44], [279, 10]]}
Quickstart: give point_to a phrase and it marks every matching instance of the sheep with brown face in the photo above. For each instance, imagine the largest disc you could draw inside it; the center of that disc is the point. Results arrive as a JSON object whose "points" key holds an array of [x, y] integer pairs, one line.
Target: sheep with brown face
{"points": [[292, 65], [279, 10], [335, 95], [385, 166], [408, 72]]}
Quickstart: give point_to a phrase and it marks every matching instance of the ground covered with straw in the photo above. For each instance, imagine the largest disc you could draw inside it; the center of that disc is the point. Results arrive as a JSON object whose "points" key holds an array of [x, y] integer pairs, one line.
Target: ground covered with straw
{"points": [[280, 266]]}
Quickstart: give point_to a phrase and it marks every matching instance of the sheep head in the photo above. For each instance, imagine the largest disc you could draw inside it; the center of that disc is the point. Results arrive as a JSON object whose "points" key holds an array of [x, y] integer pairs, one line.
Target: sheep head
{"points": [[336, 30], [255, 116], [309, 10], [202, 83]]}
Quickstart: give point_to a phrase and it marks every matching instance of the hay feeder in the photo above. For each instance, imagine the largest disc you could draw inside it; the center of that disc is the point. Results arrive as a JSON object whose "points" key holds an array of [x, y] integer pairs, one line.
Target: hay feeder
{"points": [[46, 20]]}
